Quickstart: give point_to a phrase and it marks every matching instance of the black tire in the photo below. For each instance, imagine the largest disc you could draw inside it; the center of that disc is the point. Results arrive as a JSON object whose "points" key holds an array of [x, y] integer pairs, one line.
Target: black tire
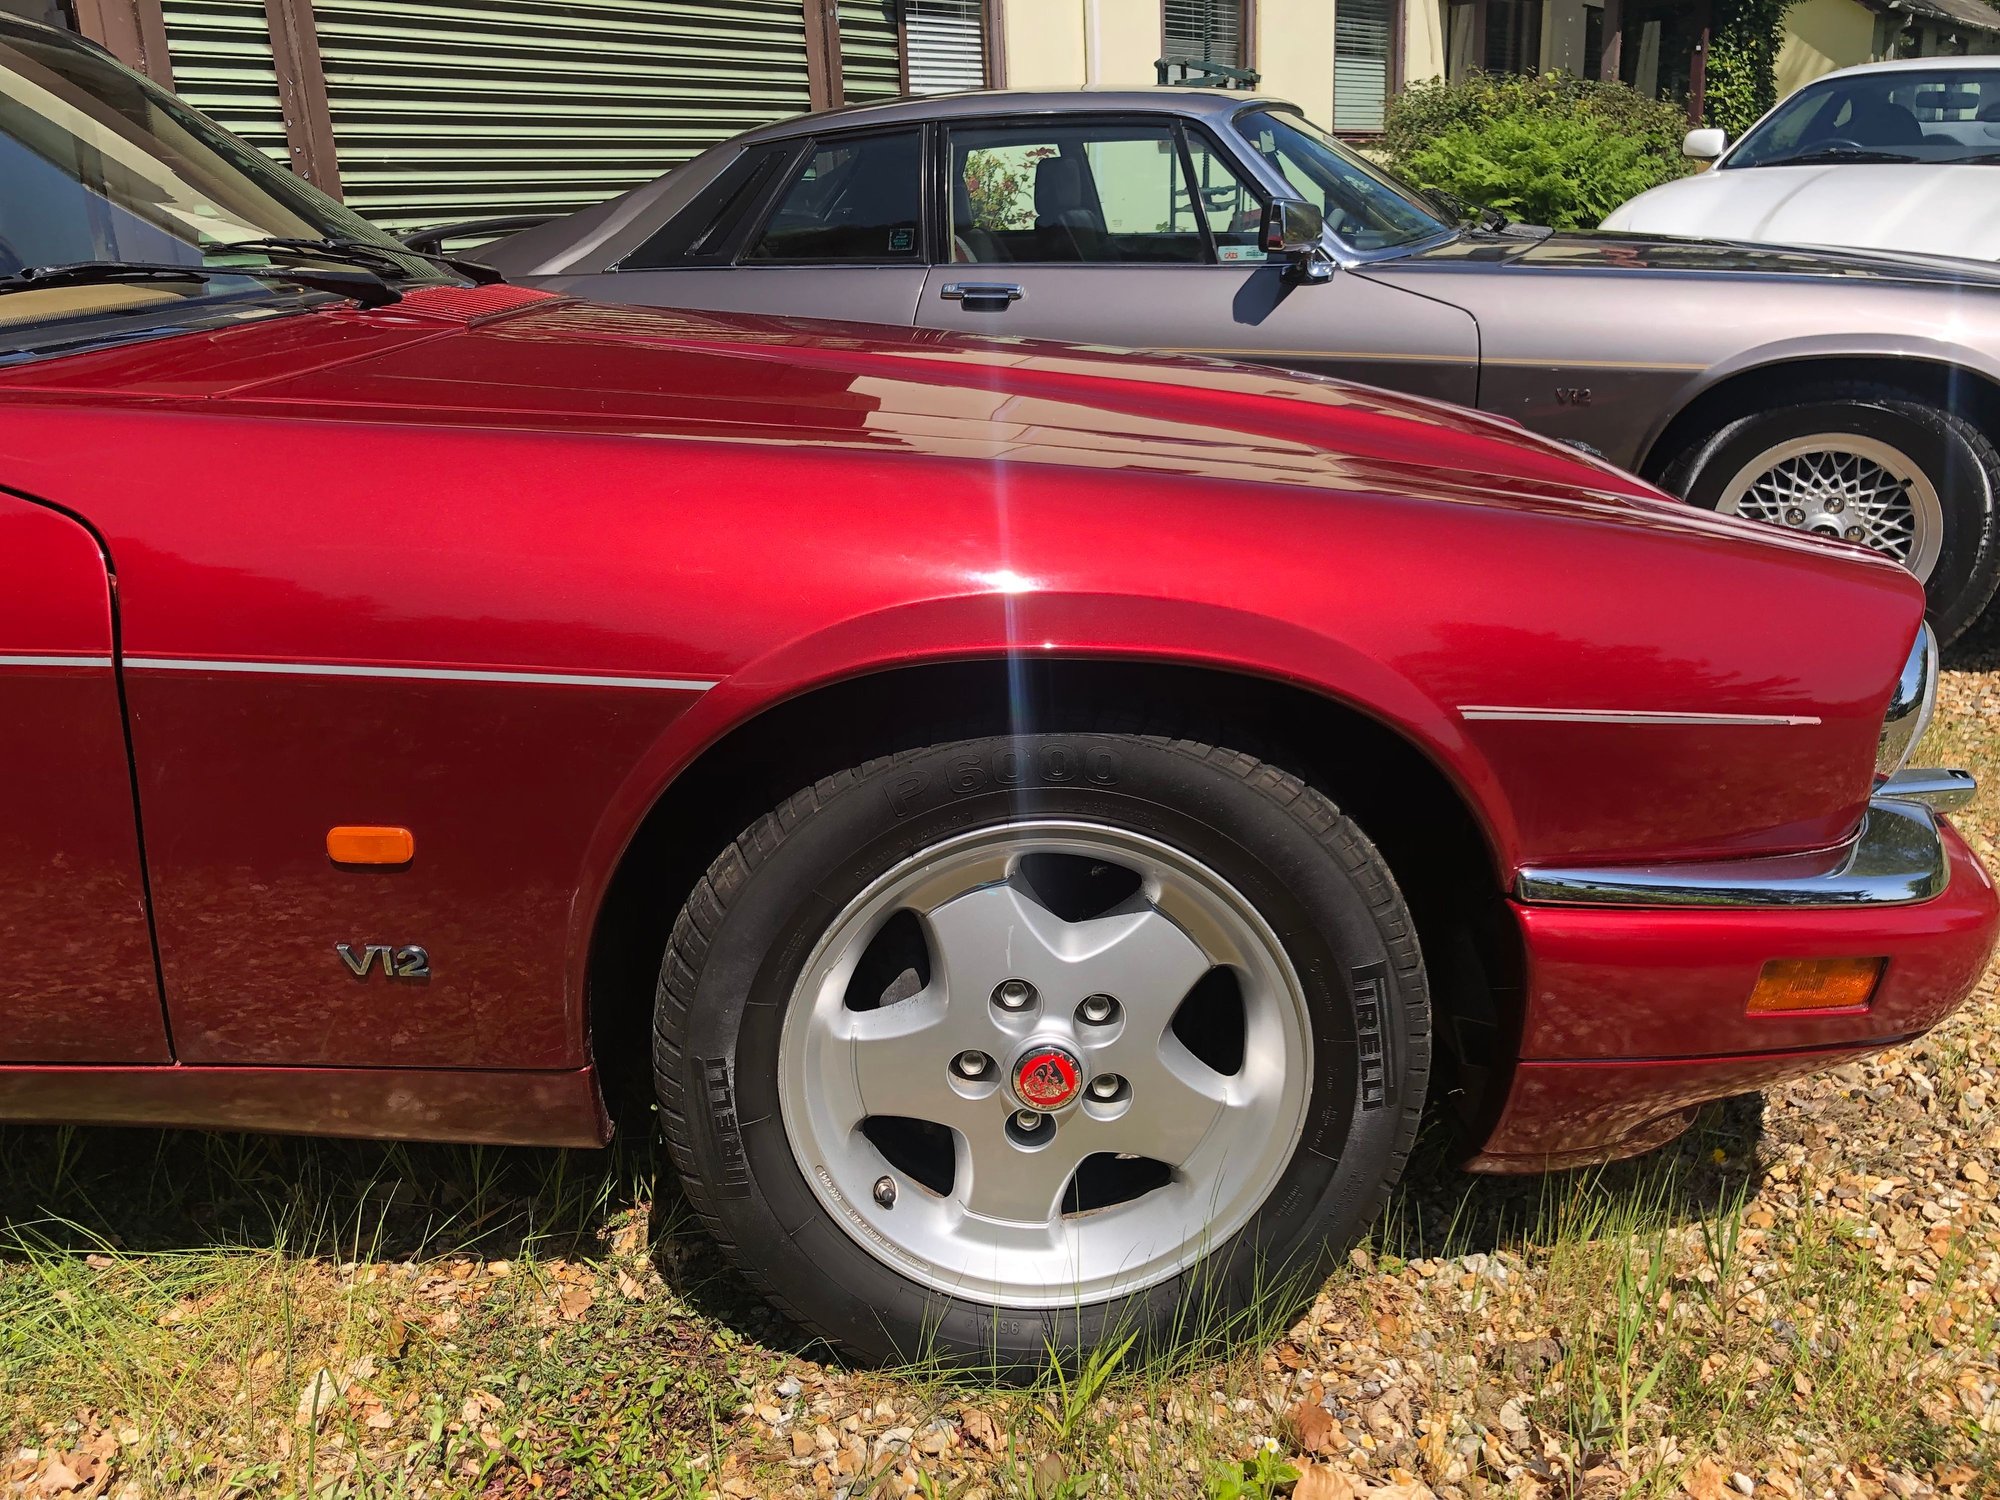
{"points": [[1960, 461], [743, 937]]}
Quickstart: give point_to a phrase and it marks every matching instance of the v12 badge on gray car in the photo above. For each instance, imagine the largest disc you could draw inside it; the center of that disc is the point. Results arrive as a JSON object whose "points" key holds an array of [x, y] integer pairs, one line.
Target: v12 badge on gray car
{"points": [[1850, 396]]}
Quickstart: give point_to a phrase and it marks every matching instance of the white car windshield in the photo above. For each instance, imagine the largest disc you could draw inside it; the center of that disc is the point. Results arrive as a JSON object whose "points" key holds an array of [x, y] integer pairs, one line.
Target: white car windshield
{"points": [[1893, 115], [1364, 208]]}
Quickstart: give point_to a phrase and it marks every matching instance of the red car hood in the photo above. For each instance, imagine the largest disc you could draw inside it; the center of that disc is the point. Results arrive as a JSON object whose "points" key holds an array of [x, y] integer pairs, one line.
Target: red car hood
{"points": [[511, 357]]}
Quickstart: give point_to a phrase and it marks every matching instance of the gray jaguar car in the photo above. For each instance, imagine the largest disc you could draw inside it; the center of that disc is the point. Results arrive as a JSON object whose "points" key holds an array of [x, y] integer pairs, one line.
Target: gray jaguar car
{"points": [[1855, 396]]}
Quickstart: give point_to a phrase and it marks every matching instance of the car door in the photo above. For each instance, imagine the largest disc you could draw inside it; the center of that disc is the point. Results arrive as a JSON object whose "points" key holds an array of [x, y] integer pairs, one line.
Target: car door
{"points": [[1142, 231], [78, 983], [826, 227]]}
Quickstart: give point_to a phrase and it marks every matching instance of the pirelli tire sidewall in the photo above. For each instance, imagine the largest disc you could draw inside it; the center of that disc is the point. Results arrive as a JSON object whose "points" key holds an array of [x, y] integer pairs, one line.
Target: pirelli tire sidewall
{"points": [[741, 944]]}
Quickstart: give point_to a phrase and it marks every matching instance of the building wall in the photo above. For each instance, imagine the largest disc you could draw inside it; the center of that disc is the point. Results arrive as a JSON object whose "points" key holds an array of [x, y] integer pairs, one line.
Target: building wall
{"points": [[1066, 44], [1563, 34], [1423, 40], [1294, 53], [1821, 35]]}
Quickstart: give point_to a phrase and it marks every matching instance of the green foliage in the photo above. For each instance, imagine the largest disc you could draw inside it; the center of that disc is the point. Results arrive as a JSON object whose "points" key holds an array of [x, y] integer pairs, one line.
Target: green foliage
{"points": [[1259, 1479], [1742, 79], [1556, 149]]}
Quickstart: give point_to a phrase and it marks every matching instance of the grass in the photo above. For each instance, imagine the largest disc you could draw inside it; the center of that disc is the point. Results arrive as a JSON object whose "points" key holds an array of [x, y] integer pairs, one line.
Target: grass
{"points": [[1801, 1290]]}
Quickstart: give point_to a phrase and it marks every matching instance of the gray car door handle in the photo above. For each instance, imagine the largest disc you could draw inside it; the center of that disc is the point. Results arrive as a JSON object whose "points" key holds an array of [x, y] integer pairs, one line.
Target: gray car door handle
{"points": [[981, 291]]}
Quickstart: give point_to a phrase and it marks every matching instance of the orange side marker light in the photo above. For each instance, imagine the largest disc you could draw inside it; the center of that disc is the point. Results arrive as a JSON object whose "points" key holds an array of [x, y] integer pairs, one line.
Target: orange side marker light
{"points": [[362, 845], [1792, 984]]}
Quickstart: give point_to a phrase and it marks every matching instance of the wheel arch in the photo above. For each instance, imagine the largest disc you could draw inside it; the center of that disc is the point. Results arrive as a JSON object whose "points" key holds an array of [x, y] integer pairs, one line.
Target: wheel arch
{"points": [[1444, 854], [1940, 374]]}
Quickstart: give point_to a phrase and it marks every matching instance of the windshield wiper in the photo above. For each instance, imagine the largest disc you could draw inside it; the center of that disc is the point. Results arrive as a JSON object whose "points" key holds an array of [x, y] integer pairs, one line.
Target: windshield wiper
{"points": [[363, 286], [1834, 154], [360, 252]]}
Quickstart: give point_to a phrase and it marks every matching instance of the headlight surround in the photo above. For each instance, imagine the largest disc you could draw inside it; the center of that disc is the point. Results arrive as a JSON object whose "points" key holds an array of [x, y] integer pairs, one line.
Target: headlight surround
{"points": [[1910, 705]]}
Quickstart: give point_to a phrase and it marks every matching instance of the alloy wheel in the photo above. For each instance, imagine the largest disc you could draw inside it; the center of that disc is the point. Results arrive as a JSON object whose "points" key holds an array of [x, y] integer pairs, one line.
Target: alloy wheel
{"points": [[1045, 1063]]}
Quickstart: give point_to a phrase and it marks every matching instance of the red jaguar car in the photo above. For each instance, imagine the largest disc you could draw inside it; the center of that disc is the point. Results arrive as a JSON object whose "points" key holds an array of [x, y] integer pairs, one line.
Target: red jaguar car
{"points": [[1075, 806]]}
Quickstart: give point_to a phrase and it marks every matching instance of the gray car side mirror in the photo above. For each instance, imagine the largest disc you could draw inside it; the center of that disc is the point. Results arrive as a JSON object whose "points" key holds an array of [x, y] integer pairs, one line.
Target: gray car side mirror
{"points": [[1293, 229]]}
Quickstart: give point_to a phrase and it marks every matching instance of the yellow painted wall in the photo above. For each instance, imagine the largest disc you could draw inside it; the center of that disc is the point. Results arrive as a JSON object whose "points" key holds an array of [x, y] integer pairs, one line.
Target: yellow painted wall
{"points": [[1294, 54], [1821, 35], [1423, 40], [1064, 44]]}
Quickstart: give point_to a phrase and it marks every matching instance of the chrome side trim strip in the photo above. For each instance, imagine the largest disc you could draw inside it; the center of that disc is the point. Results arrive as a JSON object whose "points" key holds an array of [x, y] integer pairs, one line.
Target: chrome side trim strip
{"points": [[1626, 716], [1896, 859], [414, 674], [1941, 790], [14, 660]]}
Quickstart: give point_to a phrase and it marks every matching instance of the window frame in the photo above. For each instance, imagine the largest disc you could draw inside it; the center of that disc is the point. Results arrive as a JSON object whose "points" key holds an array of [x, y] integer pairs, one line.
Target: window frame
{"points": [[939, 204], [918, 260]]}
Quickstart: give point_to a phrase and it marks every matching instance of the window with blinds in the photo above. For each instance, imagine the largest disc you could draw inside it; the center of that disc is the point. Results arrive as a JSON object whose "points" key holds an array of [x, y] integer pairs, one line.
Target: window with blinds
{"points": [[1204, 31], [220, 53], [946, 41], [1364, 38], [871, 59]]}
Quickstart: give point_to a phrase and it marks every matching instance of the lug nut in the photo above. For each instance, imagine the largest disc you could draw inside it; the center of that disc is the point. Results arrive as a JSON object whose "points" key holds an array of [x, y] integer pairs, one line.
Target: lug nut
{"points": [[969, 1064], [1834, 503], [1853, 533], [1098, 1009], [1014, 994], [1027, 1121], [1795, 517], [1106, 1086], [885, 1192]]}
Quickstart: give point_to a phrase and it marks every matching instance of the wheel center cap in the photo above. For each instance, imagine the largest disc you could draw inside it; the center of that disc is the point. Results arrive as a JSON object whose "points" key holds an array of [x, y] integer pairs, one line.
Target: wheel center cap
{"points": [[1047, 1077]]}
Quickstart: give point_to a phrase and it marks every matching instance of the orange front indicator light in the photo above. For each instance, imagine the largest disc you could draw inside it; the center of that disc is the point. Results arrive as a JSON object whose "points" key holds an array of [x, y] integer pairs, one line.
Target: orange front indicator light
{"points": [[1794, 984], [357, 845]]}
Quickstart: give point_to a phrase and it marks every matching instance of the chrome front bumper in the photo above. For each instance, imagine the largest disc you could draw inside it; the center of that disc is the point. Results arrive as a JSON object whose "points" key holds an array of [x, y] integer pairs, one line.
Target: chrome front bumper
{"points": [[1895, 859]]}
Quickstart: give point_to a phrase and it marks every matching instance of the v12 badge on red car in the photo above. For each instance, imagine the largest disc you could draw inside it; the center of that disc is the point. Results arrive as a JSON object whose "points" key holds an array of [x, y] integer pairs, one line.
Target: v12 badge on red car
{"points": [[1070, 807]]}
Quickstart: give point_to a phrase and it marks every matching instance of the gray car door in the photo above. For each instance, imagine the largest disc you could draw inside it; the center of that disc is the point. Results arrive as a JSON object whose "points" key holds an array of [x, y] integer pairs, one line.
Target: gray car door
{"points": [[818, 228], [1141, 231]]}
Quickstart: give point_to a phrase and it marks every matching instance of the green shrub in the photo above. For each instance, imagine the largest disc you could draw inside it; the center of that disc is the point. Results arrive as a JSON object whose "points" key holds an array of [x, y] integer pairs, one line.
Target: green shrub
{"points": [[1556, 150]]}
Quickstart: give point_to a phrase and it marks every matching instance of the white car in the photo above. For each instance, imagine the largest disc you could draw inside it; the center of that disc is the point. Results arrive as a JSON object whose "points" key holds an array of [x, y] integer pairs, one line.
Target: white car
{"points": [[1889, 156]]}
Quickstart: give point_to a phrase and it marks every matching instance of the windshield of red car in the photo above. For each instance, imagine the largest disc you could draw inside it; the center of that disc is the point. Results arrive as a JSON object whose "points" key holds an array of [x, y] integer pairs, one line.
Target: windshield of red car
{"points": [[1895, 115], [1364, 209], [99, 165]]}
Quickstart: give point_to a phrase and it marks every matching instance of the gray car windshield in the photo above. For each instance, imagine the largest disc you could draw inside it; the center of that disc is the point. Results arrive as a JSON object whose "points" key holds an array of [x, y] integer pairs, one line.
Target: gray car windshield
{"points": [[1364, 209], [1894, 115], [102, 173]]}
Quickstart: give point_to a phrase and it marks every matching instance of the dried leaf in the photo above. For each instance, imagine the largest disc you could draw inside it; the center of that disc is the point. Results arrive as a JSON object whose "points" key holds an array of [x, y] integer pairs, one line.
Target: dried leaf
{"points": [[1325, 1482], [1313, 1426]]}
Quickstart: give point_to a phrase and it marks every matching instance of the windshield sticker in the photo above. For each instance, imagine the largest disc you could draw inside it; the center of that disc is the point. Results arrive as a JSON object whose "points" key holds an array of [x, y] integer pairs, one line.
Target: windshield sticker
{"points": [[902, 239]]}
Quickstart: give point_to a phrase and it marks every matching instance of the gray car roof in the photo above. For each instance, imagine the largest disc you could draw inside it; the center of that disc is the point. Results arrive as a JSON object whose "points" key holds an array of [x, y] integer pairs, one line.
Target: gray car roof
{"points": [[1200, 103]]}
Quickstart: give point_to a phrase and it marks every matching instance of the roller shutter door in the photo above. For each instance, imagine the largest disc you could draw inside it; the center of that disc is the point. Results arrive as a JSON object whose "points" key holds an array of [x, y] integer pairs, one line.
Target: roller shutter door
{"points": [[490, 107], [220, 51], [871, 65]]}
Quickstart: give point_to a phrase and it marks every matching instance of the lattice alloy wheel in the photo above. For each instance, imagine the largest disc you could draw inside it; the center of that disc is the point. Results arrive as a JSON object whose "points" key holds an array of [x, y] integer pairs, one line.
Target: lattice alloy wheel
{"points": [[1041, 1041], [1845, 486]]}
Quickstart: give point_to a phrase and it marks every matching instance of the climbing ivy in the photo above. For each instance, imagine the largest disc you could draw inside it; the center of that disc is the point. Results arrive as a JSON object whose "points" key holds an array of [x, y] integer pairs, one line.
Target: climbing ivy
{"points": [[1743, 62]]}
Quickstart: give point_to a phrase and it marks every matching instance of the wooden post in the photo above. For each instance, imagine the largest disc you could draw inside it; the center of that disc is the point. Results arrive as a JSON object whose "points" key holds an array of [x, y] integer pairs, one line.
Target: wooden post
{"points": [[1613, 57], [133, 31], [823, 81], [1698, 68], [302, 93], [994, 14]]}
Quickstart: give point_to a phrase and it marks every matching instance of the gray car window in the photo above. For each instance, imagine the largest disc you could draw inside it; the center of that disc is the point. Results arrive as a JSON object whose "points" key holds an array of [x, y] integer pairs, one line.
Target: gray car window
{"points": [[1364, 208], [1076, 190], [854, 199]]}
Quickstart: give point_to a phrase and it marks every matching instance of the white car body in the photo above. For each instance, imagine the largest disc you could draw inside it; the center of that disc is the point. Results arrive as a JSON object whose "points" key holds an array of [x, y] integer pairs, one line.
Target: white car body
{"points": [[1924, 207]]}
